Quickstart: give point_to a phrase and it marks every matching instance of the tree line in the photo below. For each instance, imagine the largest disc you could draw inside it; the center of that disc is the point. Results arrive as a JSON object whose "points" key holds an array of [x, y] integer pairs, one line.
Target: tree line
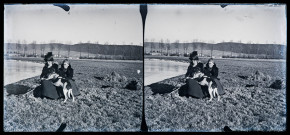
{"points": [[224, 49], [80, 50]]}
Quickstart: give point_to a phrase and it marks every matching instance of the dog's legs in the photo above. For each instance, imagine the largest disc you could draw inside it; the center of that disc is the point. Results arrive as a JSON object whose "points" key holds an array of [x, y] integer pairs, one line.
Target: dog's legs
{"points": [[70, 93], [215, 91], [210, 91], [65, 92]]}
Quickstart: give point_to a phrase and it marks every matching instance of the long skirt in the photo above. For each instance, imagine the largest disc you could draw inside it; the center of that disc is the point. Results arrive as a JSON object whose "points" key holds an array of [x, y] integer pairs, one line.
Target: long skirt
{"points": [[50, 91], [53, 92], [195, 90]]}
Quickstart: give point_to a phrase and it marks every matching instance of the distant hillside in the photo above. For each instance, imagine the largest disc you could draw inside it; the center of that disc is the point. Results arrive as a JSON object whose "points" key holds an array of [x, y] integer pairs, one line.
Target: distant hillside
{"points": [[274, 50], [77, 50]]}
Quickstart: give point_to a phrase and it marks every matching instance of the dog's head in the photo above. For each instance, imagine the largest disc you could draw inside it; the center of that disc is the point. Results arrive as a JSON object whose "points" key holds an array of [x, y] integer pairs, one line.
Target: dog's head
{"points": [[52, 74], [197, 73]]}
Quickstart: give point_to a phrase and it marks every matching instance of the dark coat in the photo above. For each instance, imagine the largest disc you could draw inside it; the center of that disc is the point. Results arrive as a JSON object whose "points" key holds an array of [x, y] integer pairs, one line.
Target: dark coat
{"points": [[211, 72], [66, 73], [190, 69], [46, 70]]}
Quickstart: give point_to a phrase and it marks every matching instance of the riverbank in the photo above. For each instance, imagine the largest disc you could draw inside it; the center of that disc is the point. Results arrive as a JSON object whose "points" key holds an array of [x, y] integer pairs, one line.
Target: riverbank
{"points": [[102, 106], [204, 59], [41, 60], [248, 105]]}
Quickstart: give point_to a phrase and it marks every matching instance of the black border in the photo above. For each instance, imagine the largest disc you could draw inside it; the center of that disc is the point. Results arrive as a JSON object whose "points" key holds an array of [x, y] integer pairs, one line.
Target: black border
{"points": [[148, 2]]}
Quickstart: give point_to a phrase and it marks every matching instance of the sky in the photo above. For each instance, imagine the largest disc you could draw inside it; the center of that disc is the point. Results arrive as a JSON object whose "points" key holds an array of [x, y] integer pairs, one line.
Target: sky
{"points": [[214, 24], [115, 24], [119, 24]]}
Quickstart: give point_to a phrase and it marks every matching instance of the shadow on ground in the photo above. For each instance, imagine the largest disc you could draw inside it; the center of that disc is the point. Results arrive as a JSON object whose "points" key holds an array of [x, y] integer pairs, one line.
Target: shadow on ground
{"points": [[158, 88], [16, 89]]}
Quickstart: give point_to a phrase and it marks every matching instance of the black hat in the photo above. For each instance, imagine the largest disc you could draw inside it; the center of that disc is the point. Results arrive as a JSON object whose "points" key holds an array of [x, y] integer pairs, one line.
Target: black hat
{"points": [[48, 57], [193, 56]]}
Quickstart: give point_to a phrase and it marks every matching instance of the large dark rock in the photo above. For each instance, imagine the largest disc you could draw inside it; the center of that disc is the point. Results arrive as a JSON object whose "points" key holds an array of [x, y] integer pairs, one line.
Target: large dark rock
{"points": [[276, 85], [133, 85]]}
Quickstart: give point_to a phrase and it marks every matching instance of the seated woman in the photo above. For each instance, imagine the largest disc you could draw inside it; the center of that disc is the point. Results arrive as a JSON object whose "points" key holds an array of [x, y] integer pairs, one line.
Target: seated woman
{"points": [[192, 87], [66, 71], [47, 87], [212, 70]]}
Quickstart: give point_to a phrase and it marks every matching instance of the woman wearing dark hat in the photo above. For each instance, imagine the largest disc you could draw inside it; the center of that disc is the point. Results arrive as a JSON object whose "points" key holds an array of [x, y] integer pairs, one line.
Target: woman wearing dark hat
{"points": [[66, 71], [193, 88], [212, 70], [48, 89]]}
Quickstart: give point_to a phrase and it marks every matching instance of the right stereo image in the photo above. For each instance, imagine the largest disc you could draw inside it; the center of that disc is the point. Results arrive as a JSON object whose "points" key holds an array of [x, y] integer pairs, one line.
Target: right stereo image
{"points": [[215, 67]]}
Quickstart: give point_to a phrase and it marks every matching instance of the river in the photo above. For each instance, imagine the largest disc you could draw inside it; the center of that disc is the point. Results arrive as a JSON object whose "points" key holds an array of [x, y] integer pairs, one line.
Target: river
{"points": [[15, 71], [158, 70]]}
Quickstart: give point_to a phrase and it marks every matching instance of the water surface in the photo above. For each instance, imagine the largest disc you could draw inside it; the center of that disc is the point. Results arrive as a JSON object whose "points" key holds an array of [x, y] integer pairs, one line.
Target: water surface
{"points": [[158, 70], [18, 70]]}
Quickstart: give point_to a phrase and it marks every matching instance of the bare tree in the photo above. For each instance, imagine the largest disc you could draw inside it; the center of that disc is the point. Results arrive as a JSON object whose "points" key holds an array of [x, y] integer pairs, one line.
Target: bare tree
{"points": [[176, 43], [231, 41], [152, 45], [201, 48], [42, 48], [33, 45], [88, 43], [80, 49], [25, 47], [167, 46], [161, 44], [194, 44], [51, 45], [59, 46], [96, 47], [212, 42], [186, 46], [18, 46]]}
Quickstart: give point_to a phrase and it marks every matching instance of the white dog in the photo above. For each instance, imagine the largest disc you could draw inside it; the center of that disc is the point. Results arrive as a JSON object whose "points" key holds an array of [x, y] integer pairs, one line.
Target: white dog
{"points": [[207, 81], [58, 81]]}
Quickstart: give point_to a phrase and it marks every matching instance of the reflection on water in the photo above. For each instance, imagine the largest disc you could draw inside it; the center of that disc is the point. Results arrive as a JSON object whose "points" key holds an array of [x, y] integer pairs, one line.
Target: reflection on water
{"points": [[157, 70], [18, 70]]}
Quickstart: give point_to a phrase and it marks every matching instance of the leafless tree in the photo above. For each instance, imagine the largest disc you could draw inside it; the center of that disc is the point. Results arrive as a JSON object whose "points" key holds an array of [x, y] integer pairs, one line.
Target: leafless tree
{"points": [[80, 49], [42, 48], [152, 45], [168, 46], [176, 43], [18, 46], [161, 44], [51, 45], [88, 48], [33, 45], [25, 47]]}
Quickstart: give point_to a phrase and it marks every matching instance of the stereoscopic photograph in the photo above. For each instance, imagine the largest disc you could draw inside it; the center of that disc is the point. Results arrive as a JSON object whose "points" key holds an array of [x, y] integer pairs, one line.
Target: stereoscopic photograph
{"points": [[72, 67], [215, 67]]}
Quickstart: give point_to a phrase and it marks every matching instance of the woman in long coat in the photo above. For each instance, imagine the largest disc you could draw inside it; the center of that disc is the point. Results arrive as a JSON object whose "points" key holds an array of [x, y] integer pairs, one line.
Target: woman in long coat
{"points": [[212, 70], [47, 87], [192, 87], [66, 71]]}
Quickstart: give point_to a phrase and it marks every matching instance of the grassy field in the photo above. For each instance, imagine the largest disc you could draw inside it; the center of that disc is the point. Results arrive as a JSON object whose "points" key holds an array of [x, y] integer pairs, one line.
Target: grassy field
{"points": [[248, 105], [102, 105]]}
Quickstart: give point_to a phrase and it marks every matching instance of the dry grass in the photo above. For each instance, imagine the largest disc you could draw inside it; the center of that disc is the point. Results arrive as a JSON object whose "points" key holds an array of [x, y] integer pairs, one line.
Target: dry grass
{"points": [[253, 108], [98, 108]]}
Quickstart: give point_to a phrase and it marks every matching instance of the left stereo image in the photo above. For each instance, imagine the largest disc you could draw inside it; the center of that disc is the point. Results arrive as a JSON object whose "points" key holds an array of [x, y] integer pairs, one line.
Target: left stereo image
{"points": [[72, 68]]}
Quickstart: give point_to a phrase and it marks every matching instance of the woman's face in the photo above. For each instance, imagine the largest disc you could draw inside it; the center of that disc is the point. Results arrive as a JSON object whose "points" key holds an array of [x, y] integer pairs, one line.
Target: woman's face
{"points": [[65, 65], [210, 64], [49, 63], [194, 63]]}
